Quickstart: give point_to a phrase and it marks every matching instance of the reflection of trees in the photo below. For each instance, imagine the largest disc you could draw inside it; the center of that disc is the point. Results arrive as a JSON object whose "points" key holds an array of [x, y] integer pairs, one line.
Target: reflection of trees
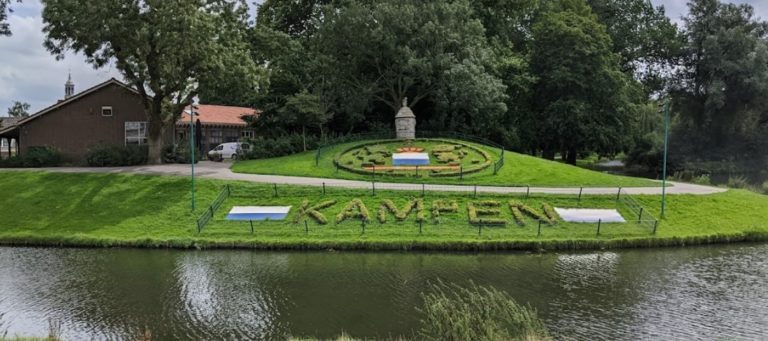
{"points": [[93, 293]]}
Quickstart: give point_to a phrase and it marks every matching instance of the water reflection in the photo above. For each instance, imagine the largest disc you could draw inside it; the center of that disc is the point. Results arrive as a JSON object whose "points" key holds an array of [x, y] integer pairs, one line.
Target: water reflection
{"points": [[707, 292]]}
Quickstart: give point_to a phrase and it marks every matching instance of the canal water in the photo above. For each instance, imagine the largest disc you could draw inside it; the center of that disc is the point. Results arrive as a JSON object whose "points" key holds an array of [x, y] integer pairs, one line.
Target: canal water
{"points": [[716, 292]]}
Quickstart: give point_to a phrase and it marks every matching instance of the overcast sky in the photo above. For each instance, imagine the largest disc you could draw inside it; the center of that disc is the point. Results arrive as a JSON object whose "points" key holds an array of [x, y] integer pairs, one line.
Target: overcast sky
{"points": [[28, 73]]}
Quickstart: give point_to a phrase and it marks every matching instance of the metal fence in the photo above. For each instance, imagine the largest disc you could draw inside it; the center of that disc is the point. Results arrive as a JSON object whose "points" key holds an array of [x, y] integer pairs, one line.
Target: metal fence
{"points": [[213, 207], [624, 201], [643, 216], [422, 134]]}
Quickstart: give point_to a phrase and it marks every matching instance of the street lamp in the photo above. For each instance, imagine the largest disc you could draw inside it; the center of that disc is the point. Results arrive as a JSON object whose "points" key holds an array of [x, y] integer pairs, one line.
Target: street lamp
{"points": [[191, 112], [666, 104]]}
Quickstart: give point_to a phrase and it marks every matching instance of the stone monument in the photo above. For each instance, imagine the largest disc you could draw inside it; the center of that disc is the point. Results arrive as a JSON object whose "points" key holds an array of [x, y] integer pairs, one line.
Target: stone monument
{"points": [[405, 122]]}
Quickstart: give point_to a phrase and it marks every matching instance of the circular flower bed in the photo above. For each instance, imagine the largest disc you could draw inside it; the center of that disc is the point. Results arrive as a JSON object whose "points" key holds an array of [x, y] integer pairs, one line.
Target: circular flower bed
{"points": [[446, 158]]}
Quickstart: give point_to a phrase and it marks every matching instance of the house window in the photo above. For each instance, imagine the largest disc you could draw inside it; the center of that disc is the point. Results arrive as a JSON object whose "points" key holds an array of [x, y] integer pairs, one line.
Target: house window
{"points": [[106, 111], [247, 134], [135, 133]]}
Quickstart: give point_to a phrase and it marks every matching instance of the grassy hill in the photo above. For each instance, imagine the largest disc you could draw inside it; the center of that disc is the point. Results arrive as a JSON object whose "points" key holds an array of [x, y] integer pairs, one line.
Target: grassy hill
{"points": [[154, 211], [518, 170]]}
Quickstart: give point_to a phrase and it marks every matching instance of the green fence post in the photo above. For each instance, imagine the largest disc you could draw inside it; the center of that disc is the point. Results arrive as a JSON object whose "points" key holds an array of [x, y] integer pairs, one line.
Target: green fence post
{"points": [[373, 187], [461, 172], [363, 226], [421, 222], [539, 233], [599, 222], [475, 195], [306, 227], [655, 225], [479, 229], [528, 192], [640, 216], [274, 186], [618, 194], [251, 221], [323, 188], [422, 189], [581, 189]]}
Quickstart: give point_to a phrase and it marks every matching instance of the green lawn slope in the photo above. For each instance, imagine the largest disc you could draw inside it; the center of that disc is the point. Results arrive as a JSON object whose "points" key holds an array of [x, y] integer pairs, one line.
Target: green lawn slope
{"points": [[518, 170], [58, 209]]}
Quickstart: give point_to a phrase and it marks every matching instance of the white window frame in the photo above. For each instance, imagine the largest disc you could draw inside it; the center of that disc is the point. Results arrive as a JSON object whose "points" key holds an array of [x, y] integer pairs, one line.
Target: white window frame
{"points": [[247, 134], [143, 135], [111, 111]]}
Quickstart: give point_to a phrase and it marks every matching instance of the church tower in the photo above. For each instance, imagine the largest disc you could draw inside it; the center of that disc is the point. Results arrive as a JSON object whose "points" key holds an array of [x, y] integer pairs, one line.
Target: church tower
{"points": [[69, 87]]}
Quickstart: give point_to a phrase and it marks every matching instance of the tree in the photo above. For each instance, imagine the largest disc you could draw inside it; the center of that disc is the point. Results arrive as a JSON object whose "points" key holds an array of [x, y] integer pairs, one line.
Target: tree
{"points": [[722, 83], [646, 40], [582, 98], [162, 48], [305, 109], [386, 51], [19, 109], [5, 8]]}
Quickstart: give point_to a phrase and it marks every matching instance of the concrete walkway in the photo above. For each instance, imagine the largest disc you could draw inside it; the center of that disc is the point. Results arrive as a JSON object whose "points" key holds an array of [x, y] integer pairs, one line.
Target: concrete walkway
{"points": [[221, 171]]}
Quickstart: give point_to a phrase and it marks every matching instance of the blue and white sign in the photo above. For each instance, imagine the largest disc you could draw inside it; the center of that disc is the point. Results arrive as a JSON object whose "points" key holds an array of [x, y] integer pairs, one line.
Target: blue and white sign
{"points": [[410, 159], [258, 213]]}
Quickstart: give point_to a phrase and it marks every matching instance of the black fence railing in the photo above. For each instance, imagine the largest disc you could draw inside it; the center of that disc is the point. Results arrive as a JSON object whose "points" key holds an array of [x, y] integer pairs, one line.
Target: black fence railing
{"points": [[632, 210], [212, 208]]}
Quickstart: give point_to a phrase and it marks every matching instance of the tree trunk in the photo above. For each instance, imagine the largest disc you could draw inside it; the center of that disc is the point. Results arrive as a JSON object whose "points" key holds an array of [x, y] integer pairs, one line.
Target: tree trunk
{"points": [[304, 137], [155, 141], [571, 158], [548, 154]]}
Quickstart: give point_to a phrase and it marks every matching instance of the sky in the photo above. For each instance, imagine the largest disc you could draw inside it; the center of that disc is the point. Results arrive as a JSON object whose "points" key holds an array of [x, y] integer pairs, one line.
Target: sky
{"points": [[29, 73]]}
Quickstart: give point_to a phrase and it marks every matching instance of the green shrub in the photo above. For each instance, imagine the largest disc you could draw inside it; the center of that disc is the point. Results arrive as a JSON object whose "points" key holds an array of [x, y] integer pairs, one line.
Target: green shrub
{"points": [[550, 212], [477, 211], [738, 182], [443, 206], [519, 219], [443, 148], [401, 214], [355, 209], [41, 157], [703, 179], [114, 156], [530, 211], [452, 312], [313, 212], [262, 148], [34, 157], [764, 187], [179, 153]]}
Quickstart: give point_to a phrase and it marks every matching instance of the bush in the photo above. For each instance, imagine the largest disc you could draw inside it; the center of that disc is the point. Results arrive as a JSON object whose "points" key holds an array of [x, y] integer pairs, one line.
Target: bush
{"points": [[452, 312], [764, 187], [179, 153], [703, 179], [738, 182], [262, 148], [115, 156], [33, 158]]}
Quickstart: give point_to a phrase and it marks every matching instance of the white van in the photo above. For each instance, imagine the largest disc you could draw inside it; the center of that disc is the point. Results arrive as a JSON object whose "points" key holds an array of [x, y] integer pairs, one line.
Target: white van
{"points": [[229, 150]]}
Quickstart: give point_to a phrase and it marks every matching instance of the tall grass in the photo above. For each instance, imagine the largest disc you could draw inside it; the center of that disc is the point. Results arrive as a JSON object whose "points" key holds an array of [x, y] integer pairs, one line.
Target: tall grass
{"points": [[453, 312]]}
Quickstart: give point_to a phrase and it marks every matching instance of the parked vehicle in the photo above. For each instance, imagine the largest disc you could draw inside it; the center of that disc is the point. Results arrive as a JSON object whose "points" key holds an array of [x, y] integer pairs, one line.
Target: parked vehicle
{"points": [[229, 150]]}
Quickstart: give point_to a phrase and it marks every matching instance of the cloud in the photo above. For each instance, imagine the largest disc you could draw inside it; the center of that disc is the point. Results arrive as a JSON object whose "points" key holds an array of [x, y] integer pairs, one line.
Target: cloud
{"points": [[29, 73], [677, 9]]}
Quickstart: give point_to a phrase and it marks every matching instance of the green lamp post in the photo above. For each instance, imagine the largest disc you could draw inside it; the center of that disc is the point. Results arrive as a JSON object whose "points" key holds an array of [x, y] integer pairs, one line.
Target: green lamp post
{"points": [[191, 112], [667, 103]]}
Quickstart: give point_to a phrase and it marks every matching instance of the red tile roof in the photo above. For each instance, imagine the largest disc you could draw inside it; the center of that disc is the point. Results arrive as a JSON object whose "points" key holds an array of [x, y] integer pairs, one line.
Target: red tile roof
{"points": [[219, 115]]}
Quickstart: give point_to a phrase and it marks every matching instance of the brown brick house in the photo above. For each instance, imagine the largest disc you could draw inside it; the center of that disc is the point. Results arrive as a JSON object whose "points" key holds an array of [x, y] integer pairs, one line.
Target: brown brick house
{"points": [[219, 123], [109, 113]]}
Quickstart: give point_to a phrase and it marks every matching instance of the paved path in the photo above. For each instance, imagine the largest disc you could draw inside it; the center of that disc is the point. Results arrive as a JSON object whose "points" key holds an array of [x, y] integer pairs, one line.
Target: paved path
{"points": [[221, 171]]}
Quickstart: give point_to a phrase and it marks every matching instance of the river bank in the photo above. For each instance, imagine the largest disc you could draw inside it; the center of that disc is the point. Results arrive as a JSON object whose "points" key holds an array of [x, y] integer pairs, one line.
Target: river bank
{"points": [[118, 210]]}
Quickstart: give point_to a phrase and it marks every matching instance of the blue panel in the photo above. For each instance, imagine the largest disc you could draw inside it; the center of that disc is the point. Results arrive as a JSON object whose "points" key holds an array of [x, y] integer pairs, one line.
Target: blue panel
{"points": [[256, 216], [410, 162]]}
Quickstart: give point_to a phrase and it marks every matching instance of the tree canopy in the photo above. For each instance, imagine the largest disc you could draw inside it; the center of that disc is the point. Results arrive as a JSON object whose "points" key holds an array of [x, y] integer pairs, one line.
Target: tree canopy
{"points": [[162, 48], [19, 109]]}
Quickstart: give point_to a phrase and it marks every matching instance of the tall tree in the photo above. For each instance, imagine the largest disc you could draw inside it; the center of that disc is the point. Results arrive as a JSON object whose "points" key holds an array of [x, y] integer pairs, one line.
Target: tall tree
{"points": [[582, 97], [647, 41], [390, 50], [723, 82], [162, 48], [19, 109]]}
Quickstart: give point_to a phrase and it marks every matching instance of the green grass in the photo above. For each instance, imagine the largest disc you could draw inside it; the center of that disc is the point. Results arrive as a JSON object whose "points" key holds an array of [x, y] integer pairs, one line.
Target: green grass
{"points": [[518, 170], [42, 208]]}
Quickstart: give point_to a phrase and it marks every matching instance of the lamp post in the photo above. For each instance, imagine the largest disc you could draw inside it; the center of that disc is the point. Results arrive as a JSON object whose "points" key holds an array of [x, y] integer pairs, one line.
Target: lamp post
{"points": [[191, 112], [667, 103]]}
